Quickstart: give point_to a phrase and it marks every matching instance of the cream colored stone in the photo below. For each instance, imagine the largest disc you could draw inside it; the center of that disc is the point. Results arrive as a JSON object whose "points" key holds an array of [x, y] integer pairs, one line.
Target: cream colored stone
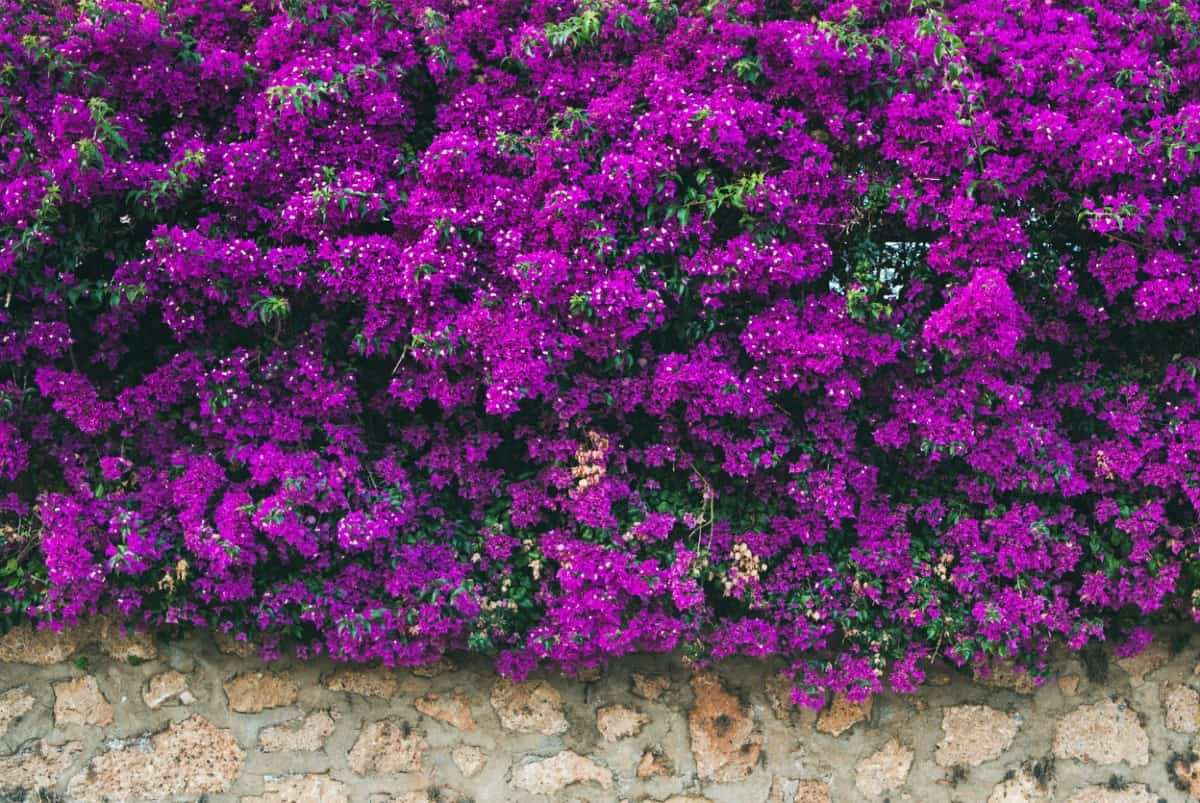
{"points": [[191, 758], [1022, 787], [812, 792], [533, 706], [387, 747], [230, 645], [453, 709], [841, 715], [1182, 706], [80, 702], [117, 643], [1154, 657], [1006, 675], [883, 770], [37, 768], [651, 687], [1133, 793], [299, 736], [551, 775], [1184, 771], [1104, 733], [681, 799], [302, 789], [724, 742], [254, 692], [469, 759], [163, 688], [974, 734], [378, 682], [616, 722], [1069, 685], [26, 645], [14, 704], [654, 764]]}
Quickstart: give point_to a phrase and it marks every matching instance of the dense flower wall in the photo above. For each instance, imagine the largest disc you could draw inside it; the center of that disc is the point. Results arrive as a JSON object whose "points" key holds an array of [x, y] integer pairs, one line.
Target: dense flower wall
{"points": [[856, 333]]}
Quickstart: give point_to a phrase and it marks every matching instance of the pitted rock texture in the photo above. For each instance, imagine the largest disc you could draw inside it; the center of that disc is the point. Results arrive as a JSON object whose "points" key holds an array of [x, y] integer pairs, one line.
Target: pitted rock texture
{"points": [[25, 645], [725, 743], [533, 706], [1107, 732], [645, 730], [974, 734]]}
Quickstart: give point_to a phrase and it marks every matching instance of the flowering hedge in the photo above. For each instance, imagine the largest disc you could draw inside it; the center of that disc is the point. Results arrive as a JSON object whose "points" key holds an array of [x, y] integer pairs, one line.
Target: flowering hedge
{"points": [[855, 333]]}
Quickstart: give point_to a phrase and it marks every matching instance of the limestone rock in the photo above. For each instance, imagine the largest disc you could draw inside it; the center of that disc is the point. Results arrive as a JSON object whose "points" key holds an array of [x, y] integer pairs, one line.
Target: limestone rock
{"points": [[884, 770], [123, 646], [1185, 772], [1022, 787], [533, 706], [26, 645], [1133, 793], [39, 767], [654, 764], [165, 687], [14, 704], [650, 687], [387, 747], [453, 709], [191, 758], [616, 722], [302, 789], [469, 759], [79, 702], [254, 692], [310, 734], [725, 744], [841, 715], [779, 695], [812, 792], [974, 734], [1154, 656], [231, 645], [1182, 705], [378, 682], [1069, 685], [1005, 675], [439, 667], [551, 775], [1104, 733]]}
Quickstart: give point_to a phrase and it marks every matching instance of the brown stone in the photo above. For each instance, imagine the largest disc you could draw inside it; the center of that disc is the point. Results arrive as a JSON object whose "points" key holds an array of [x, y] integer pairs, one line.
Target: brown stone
{"points": [[654, 764], [841, 715], [812, 792], [1185, 772], [1182, 706], [38, 768], [254, 692], [230, 645], [302, 789], [1006, 675], [26, 645], [469, 759], [387, 747], [303, 735], [165, 687], [14, 704], [1132, 793], [533, 706], [453, 709], [1104, 733], [551, 775], [779, 695], [884, 770], [123, 646], [1154, 656], [191, 758], [439, 667], [616, 722], [650, 687], [378, 682], [1069, 685], [79, 702], [725, 744], [974, 734]]}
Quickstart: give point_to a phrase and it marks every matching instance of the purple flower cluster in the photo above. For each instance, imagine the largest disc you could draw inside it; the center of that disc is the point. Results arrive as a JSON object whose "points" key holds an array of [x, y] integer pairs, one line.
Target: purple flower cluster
{"points": [[860, 333]]}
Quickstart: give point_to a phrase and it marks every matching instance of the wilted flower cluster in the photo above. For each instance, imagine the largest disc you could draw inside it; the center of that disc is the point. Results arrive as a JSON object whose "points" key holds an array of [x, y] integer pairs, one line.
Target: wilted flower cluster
{"points": [[855, 333]]}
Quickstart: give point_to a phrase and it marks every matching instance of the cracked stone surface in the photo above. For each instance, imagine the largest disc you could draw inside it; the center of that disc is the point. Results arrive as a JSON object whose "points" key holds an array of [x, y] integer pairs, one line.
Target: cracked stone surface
{"points": [[1106, 732], [974, 734], [533, 706], [550, 775], [80, 702]]}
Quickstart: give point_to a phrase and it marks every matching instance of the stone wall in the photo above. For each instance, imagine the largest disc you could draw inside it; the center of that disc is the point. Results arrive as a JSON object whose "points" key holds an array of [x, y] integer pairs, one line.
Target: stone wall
{"points": [[94, 716]]}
